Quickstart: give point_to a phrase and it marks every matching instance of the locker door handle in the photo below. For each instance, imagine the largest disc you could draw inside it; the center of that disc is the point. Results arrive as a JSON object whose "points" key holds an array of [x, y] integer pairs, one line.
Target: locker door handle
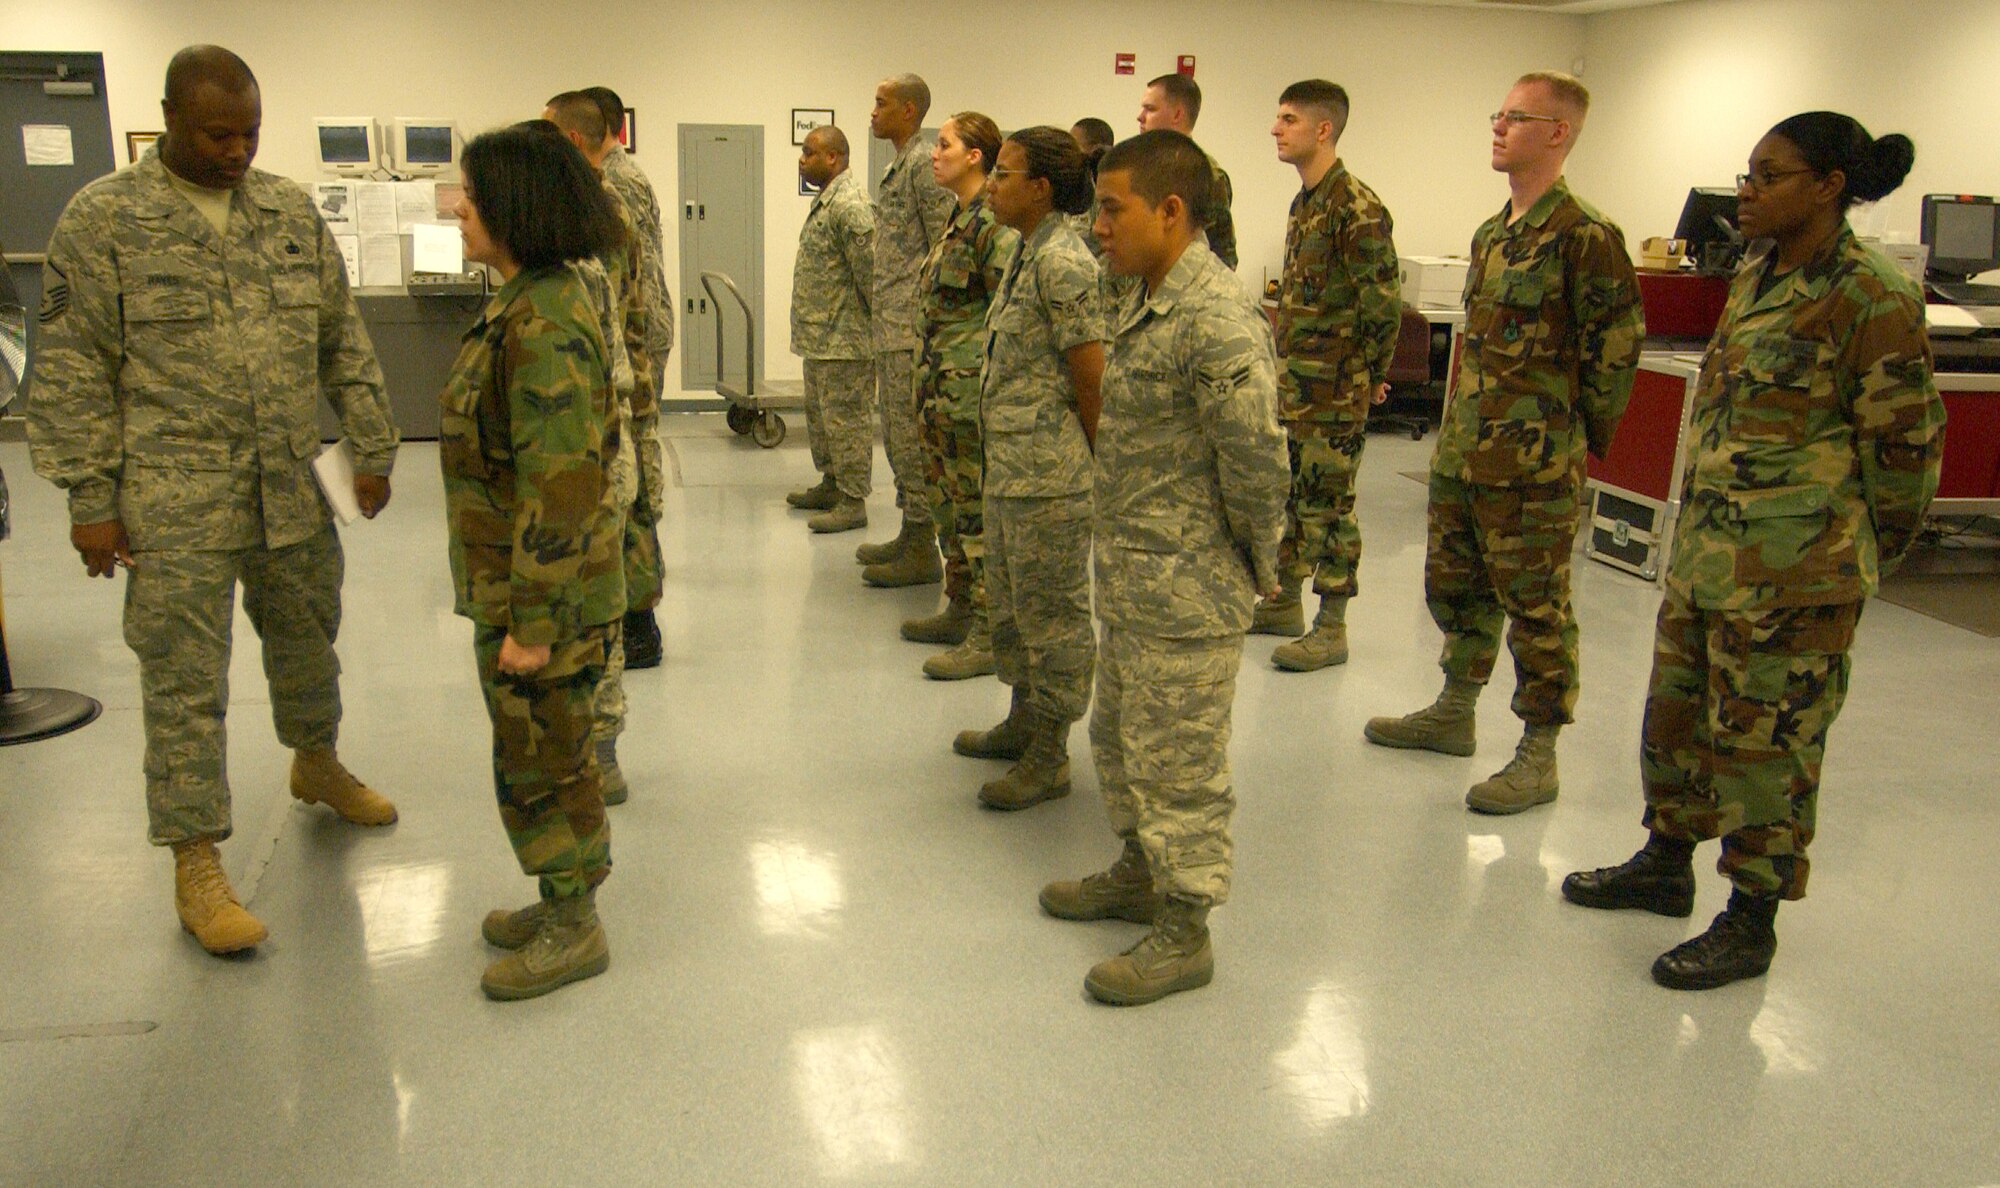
{"points": [[690, 212], [704, 210]]}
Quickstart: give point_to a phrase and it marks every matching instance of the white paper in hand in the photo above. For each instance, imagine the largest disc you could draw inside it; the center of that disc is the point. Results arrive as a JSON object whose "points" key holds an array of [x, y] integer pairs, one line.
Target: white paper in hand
{"points": [[335, 469]]}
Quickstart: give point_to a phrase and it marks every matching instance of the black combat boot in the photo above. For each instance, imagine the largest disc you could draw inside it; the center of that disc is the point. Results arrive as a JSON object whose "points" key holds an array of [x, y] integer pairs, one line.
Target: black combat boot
{"points": [[1659, 878], [1739, 944], [642, 640]]}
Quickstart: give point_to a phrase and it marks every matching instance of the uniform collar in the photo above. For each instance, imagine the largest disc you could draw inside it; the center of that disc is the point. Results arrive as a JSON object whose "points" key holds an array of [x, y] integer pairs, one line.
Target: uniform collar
{"points": [[827, 191], [1807, 280], [155, 198], [1329, 180], [903, 157], [504, 297], [1539, 213], [1179, 279]]}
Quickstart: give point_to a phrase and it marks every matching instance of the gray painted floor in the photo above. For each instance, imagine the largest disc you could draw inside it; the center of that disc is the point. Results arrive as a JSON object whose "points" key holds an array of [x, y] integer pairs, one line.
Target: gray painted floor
{"points": [[828, 962]]}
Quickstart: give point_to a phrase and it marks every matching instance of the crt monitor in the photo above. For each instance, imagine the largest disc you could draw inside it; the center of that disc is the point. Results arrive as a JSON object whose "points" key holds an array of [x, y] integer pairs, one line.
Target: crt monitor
{"points": [[1708, 224], [347, 145], [423, 147], [1963, 233]]}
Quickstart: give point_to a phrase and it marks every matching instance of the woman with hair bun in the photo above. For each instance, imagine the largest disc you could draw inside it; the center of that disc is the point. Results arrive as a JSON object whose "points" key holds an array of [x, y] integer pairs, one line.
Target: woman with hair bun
{"points": [[1038, 417], [1814, 450], [957, 282]]}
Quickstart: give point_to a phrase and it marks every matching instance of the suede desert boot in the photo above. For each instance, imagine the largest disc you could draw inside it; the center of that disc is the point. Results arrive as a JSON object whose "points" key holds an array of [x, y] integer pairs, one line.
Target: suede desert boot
{"points": [[1124, 892], [846, 514], [318, 777], [917, 565], [1173, 957], [1283, 615], [505, 929], [1528, 779], [948, 627], [610, 777], [568, 946], [1322, 647], [875, 553], [973, 657], [1008, 740], [1041, 773], [205, 902], [1444, 726], [816, 498]]}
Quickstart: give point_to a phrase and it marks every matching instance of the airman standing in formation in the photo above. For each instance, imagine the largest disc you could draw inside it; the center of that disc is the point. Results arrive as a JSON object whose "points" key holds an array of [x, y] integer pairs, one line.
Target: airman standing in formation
{"points": [[832, 288], [1173, 102], [1552, 334], [194, 310], [1339, 309], [1039, 404], [958, 283], [1814, 450], [641, 633], [1190, 507], [911, 213]]}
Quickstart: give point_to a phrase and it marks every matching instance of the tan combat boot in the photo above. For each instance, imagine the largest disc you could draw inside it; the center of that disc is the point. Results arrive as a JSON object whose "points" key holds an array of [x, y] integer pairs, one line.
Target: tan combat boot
{"points": [[206, 904], [973, 657], [949, 626], [1174, 956], [1008, 740], [1444, 726], [817, 498], [1322, 647], [1528, 779], [611, 777], [1041, 773], [917, 565], [888, 550], [1125, 892], [846, 514], [512, 930], [1283, 615], [567, 946], [319, 778]]}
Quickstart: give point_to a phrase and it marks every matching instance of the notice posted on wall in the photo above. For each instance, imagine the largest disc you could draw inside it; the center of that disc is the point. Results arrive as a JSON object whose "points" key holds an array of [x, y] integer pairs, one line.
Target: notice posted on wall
{"points": [[350, 255], [335, 200], [48, 144]]}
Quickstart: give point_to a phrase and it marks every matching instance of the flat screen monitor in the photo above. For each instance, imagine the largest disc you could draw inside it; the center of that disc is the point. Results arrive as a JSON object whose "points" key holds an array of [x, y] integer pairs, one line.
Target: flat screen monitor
{"points": [[423, 147], [1963, 233], [1708, 224], [347, 145]]}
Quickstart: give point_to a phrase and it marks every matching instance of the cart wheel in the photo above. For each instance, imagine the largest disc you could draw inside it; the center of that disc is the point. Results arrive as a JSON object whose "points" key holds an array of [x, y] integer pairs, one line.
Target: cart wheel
{"points": [[739, 418], [768, 430]]}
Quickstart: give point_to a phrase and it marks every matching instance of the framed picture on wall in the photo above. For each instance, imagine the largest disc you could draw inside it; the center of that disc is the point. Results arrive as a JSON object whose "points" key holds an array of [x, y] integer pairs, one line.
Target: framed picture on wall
{"points": [[805, 119], [628, 136], [136, 144]]}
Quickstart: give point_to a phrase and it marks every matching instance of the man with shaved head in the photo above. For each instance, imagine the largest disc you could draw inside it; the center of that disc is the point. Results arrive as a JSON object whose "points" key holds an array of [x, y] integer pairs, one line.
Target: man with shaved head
{"points": [[833, 286], [194, 312], [911, 213]]}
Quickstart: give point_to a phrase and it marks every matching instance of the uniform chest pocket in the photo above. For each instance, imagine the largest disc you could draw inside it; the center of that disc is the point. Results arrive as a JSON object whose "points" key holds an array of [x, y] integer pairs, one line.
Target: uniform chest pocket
{"points": [[954, 269], [1517, 319], [181, 303], [296, 289], [1772, 396]]}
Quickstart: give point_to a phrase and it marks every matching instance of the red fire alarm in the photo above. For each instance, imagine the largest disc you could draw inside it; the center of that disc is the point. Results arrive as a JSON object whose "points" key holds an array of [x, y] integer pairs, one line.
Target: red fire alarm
{"points": [[1185, 65], [1125, 63]]}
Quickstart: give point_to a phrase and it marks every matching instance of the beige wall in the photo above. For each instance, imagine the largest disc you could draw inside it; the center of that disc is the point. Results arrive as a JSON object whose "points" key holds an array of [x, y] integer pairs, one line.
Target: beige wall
{"points": [[1422, 80], [1682, 92]]}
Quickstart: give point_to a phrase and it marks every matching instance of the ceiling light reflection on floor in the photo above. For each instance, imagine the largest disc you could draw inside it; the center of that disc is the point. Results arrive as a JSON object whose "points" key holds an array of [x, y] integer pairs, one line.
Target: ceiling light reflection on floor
{"points": [[798, 891], [851, 1092], [1326, 1068]]}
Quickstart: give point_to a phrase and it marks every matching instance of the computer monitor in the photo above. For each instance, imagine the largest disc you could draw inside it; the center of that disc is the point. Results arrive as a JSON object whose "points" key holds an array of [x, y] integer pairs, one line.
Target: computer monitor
{"points": [[1708, 224], [1963, 233], [422, 147], [348, 145]]}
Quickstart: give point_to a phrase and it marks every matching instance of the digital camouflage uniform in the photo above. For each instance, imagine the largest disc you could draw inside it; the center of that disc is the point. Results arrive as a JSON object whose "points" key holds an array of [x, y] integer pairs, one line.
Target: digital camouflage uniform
{"points": [[1339, 309], [1038, 477], [1814, 451], [959, 280], [642, 205], [176, 391], [911, 213], [530, 425], [1190, 506], [832, 286], [614, 280], [1552, 335]]}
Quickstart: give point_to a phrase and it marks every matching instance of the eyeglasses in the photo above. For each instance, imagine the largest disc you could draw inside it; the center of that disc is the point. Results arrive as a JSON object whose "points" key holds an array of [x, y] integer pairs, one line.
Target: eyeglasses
{"points": [[1517, 118], [997, 174], [1767, 178]]}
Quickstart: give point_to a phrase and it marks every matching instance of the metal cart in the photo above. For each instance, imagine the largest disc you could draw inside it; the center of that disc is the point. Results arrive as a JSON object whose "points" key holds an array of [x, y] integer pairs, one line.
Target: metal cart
{"points": [[751, 412]]}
